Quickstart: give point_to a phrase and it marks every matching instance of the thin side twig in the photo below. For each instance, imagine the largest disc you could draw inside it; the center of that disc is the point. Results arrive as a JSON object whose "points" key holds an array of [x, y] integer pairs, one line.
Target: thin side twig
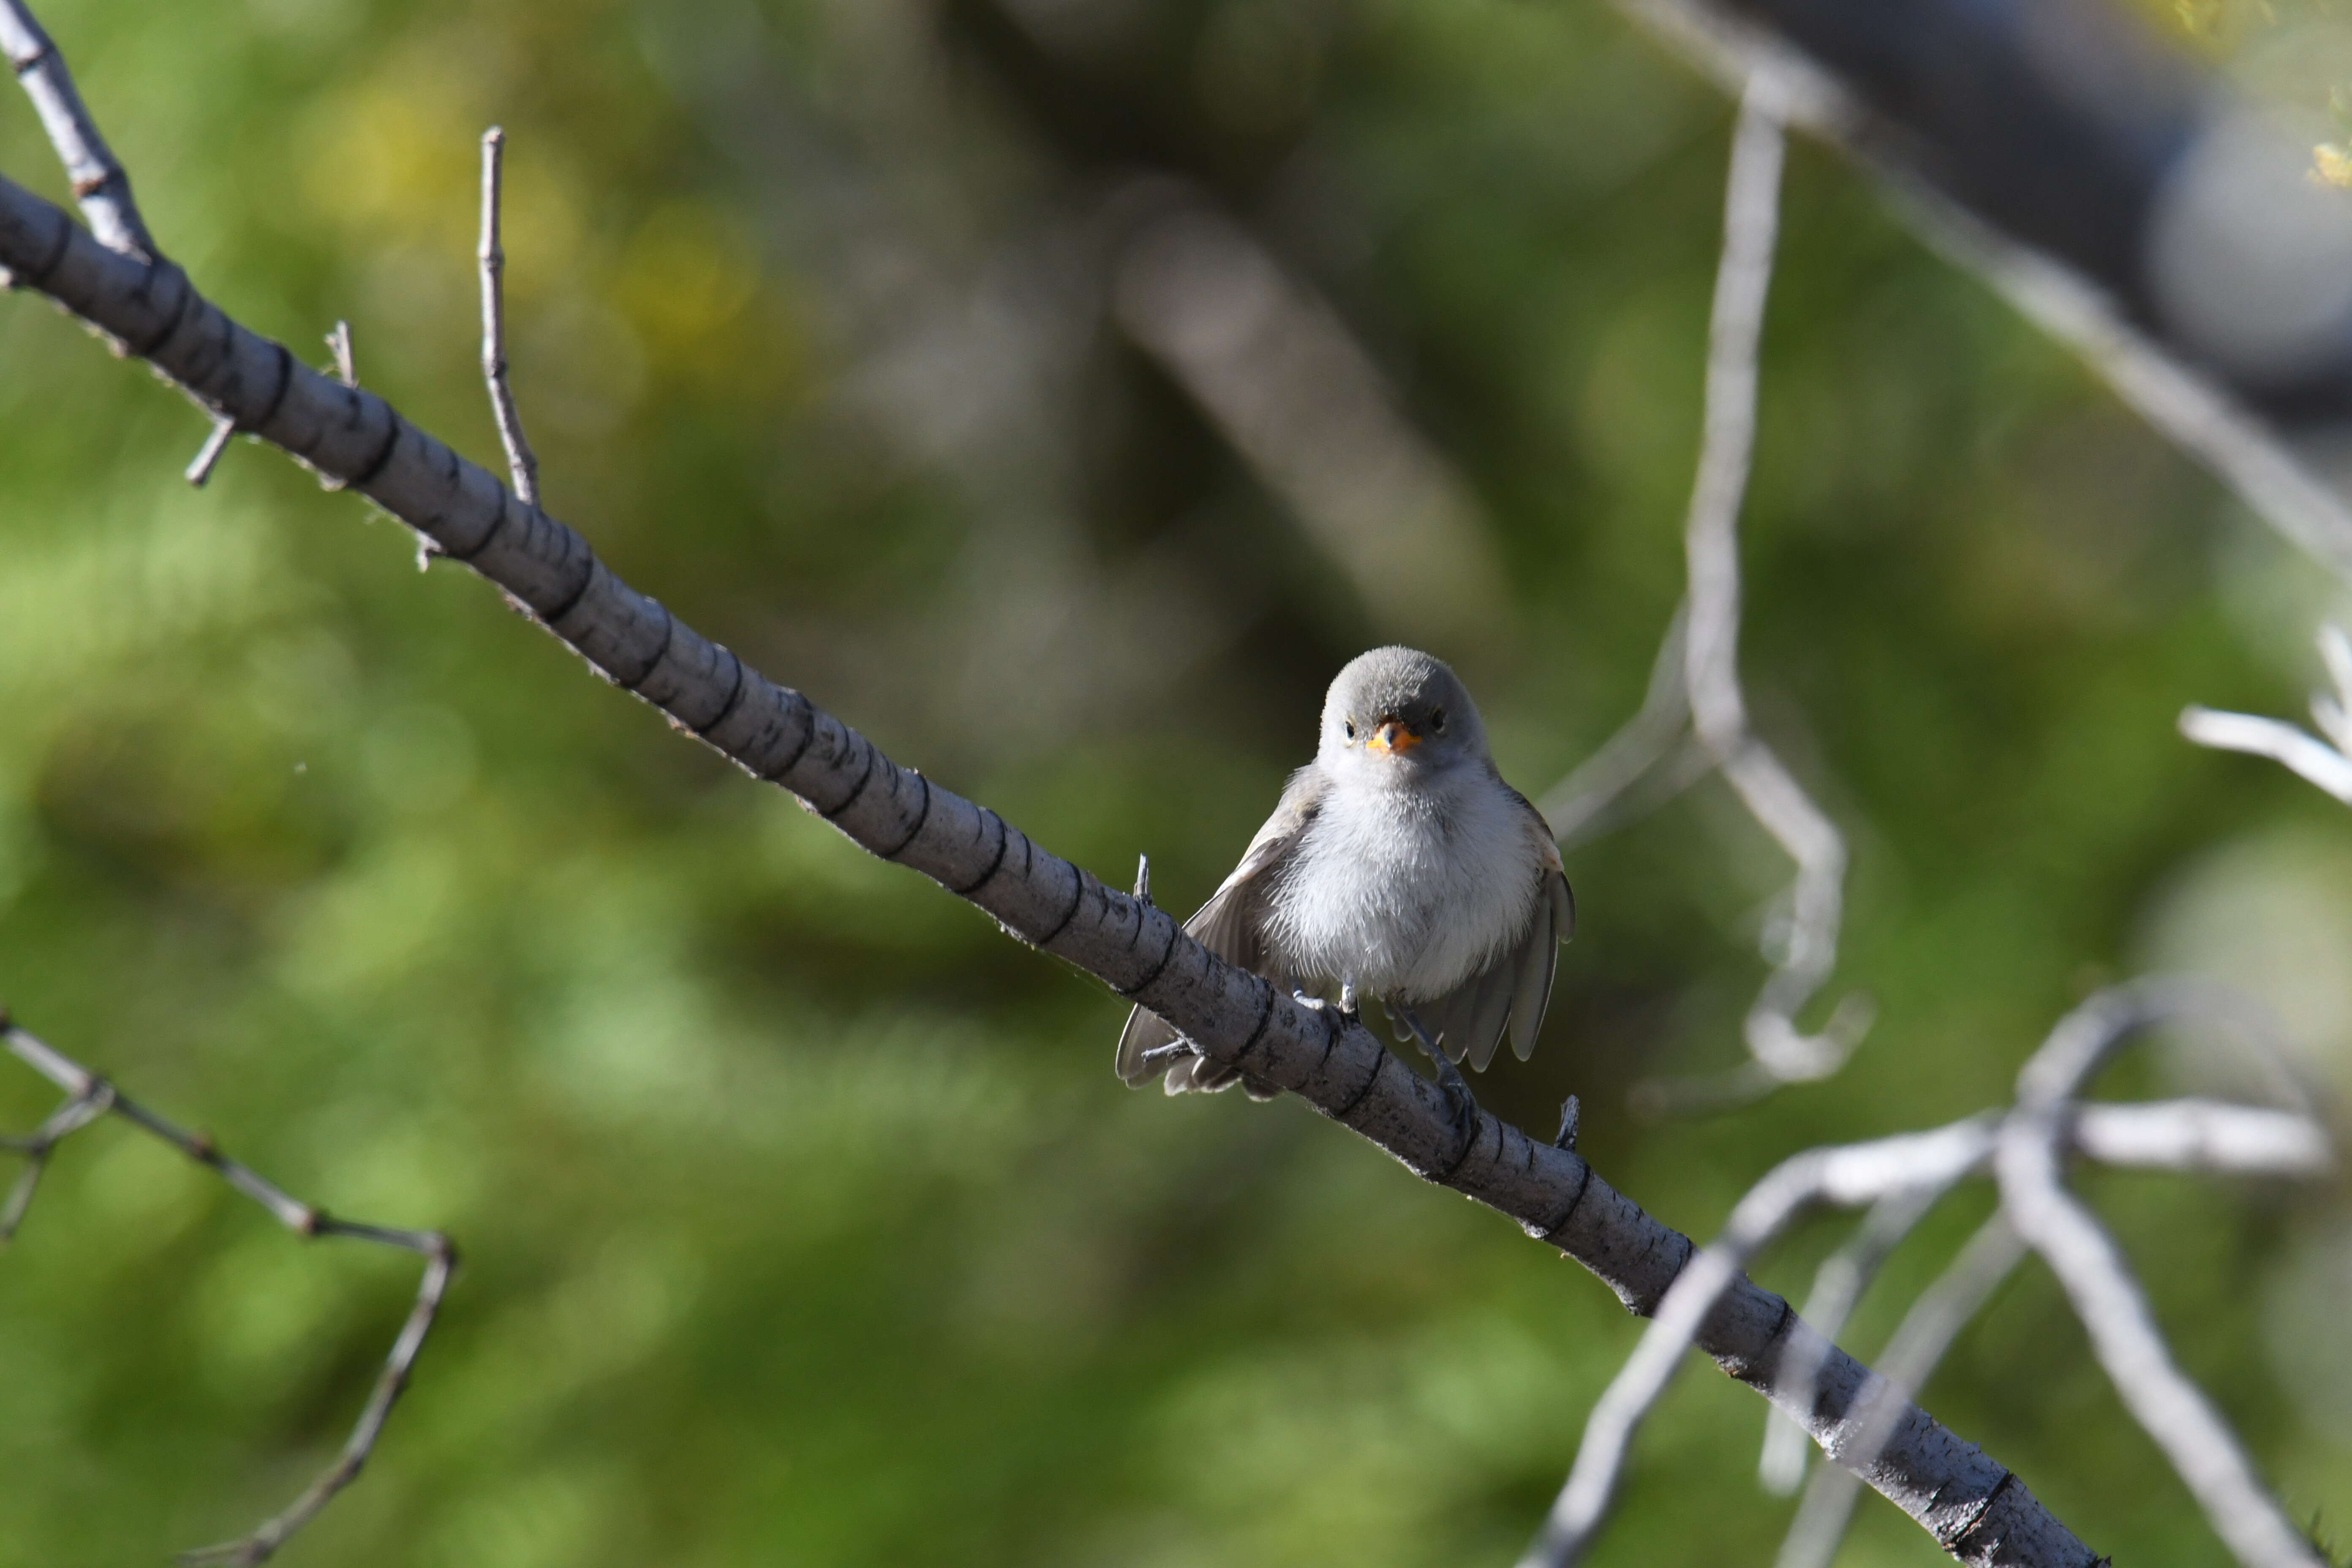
{"points": [[100, 185], [1901, 1176], [200, 467], [91, 1097], [522, 462], [339, 343]]}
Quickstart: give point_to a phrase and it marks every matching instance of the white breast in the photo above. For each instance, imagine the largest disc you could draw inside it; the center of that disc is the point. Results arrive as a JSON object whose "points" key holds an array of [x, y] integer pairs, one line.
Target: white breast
{"points": [[1406, 894]]}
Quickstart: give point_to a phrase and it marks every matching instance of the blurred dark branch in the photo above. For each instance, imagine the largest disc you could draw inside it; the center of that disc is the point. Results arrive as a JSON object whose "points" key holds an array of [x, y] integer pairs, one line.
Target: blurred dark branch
{"points": [[1900, 1177], [1976, 1509], [2059, 153], [89, 1097]]}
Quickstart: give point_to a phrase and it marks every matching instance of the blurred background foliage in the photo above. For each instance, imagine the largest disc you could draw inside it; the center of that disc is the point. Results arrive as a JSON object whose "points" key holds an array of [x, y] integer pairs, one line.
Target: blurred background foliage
{"points": [[803, 1219]]}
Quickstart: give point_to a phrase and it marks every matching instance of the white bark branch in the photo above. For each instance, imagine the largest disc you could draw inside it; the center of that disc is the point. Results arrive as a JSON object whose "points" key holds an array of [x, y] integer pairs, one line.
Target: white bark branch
{"points": [[99, 183], [2202, 1135], [1718, 709], [2123, 1333], [1902, 1175], [91, 1097], [1975, 1508], [1926, 1332], [1850, 1174], [2324, 762], [1802, 949], [1838, 1288]]}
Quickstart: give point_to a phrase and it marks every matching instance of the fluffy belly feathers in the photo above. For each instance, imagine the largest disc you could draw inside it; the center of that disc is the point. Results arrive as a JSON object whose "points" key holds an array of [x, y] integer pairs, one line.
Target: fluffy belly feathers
{"points": [[1406, 895]]}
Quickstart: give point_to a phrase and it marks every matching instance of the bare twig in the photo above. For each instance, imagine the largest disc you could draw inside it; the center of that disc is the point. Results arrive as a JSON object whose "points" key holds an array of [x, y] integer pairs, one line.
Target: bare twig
{"points": [[82, 1107], [522, 463], [2202, 1135], [91, 1097], [99, 183], [1974, 1508], [2099, 1283], [1926, 1332]]}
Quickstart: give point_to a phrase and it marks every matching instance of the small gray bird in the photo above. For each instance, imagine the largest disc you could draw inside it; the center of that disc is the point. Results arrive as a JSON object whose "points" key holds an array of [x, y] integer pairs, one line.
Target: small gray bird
{"points": [[1399, 866]]}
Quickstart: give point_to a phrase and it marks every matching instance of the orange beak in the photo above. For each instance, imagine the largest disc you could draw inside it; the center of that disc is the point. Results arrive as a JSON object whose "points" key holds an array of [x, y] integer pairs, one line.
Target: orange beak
{"points": [[1393, 739]]}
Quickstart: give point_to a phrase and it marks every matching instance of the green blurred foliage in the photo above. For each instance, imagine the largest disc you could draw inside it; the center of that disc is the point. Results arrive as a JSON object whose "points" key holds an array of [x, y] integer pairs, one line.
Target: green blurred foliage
{"points": [[803, 1220]]}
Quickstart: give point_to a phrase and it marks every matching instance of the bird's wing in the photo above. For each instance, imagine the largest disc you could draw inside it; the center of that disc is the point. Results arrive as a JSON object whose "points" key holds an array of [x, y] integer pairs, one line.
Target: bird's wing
{"points": [[1538, 953], [1227, 925], [1512, 994]]}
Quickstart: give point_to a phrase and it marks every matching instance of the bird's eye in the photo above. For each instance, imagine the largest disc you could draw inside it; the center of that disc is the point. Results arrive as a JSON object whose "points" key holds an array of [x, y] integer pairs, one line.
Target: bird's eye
{"points": [[1351, 727], [1438, 720]]}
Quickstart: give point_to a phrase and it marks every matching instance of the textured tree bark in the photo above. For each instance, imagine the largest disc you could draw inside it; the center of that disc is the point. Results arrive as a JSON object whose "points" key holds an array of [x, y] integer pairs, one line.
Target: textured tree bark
{"points": [[1976, 1510]]}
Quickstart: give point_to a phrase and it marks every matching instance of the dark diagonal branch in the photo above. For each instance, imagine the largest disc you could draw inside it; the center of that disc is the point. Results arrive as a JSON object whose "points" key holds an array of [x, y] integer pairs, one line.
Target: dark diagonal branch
{"points": [[89, 1097], [1975, 1508]]}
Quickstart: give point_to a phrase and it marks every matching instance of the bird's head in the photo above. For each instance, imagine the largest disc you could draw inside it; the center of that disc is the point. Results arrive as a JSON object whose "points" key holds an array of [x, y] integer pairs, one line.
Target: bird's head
{"points": [[1396, 714]]}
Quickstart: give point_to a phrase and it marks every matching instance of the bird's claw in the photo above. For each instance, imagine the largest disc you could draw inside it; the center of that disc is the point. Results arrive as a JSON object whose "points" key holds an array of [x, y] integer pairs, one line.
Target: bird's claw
{"points": [[1459, 1100], [1344, 1010], [1571, 1123], [1170, 1054]]}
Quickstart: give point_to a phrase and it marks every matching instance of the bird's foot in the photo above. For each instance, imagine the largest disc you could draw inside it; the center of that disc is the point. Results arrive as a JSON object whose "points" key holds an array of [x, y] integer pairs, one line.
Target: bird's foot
{"points": [[1159, 1056], [1459, 1100], [1343, 1011]]}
